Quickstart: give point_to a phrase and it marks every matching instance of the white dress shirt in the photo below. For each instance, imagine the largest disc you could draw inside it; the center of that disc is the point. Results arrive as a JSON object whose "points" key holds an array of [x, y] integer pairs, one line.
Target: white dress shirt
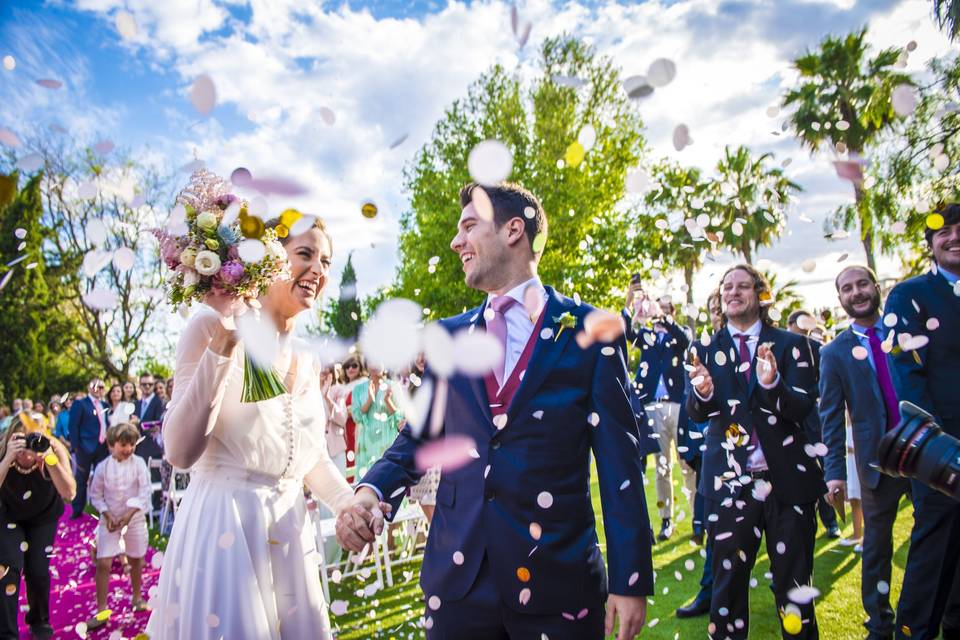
{"points": [[519, 323], [117, 486], [756, 461]]}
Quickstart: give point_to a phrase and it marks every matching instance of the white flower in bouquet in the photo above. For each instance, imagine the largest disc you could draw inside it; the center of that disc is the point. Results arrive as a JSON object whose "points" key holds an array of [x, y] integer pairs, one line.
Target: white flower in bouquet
{"points": [[207, 221], [188, 256], [207, 263], [190, 277]]}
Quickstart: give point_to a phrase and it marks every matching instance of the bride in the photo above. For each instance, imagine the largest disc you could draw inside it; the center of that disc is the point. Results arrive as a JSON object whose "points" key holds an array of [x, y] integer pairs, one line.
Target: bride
{"points": [[242, 559]]}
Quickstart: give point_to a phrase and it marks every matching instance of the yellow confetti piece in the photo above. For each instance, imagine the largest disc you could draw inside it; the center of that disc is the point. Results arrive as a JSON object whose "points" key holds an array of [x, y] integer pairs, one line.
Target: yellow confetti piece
{"points": [[369, 210], [282, 230], [11, 589], [792, 624], [289, 217], [104, 615], [51, 459], [523, 574], [934, 221], [539, 242], [906, 631], [574, 154], [251, 227]]}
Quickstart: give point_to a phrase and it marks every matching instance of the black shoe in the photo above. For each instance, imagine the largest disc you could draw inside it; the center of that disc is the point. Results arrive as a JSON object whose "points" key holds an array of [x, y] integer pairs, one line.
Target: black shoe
{"points": [[697, 538], [41, 631], [833, 532], [699, 607], [666, 530]]}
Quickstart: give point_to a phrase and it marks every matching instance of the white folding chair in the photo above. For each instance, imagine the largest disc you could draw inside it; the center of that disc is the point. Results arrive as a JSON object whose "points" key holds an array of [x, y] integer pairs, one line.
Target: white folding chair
{"points": [[411, 516], [155, 487], [172, 496], [351, 565]]}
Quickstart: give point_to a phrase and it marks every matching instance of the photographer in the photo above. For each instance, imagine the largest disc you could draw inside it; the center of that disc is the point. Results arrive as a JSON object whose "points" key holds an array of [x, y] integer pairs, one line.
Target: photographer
{"points": [[925, 351], [35, 479]]}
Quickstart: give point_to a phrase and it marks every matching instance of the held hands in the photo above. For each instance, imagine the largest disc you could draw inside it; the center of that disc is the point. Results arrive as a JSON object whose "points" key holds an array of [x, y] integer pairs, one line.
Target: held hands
{"points": [[632, 612], [700, 378], [361, 520], [766, 365]]}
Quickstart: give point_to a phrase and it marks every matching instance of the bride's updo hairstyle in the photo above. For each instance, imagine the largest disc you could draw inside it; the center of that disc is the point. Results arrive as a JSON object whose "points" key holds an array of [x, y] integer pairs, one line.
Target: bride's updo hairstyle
{"points": [[283, 232]]}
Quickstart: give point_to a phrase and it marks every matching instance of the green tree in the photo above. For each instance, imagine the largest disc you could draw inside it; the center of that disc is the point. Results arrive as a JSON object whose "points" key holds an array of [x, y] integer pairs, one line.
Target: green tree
{"points": [[344, 314], [843, 100], [754, 198], [947, 15], [591, 248], [786, 297]]}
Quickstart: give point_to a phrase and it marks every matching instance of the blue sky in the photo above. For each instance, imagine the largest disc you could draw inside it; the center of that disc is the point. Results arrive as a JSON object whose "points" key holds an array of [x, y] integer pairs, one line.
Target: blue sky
{"points": [[386, 69]]}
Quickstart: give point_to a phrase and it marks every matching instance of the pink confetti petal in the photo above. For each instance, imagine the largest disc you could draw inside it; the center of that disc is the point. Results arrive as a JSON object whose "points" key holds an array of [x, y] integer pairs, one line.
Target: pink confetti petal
{"points": [[9, 138], [849, 170], [203, 94], [48, 83], [277, 186], [449, 453], [104, 147]]}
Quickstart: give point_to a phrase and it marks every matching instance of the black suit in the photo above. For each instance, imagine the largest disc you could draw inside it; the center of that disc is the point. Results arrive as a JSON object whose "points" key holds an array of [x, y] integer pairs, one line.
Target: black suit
{"points": [[927, 377], [740, 412], [814, 430]]}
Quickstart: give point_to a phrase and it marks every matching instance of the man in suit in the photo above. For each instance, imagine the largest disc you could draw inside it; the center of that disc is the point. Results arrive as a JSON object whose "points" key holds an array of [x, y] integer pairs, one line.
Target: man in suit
{"points": [[855, 379], [149, 408], [513, 550], [802, 323], [925, 316], [88, 438], [753, 383], [659, 387]]}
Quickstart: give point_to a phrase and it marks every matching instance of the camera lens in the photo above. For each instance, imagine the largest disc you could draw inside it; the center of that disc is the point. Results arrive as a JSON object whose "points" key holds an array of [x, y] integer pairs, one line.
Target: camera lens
{"points": [[917, 448], [37, 442]]}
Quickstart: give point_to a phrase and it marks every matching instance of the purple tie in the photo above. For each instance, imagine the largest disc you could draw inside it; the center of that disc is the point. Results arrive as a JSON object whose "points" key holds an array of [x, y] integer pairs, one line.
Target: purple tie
{"points": [[884, 379], [497, 326], [744, 354]]}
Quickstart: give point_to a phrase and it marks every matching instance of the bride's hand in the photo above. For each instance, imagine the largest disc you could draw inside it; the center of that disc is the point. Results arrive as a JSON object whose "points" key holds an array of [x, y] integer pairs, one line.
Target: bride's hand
{"points": [[229, 307]]}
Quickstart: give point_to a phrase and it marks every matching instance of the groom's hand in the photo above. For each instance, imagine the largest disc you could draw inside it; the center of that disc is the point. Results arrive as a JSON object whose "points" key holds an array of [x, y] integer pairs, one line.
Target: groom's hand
{"points": [[632, 612], [361, 520]]}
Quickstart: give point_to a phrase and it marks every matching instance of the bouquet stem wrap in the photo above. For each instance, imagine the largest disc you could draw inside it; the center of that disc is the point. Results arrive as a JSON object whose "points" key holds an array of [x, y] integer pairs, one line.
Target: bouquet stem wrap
{"points": [[260, 383]]}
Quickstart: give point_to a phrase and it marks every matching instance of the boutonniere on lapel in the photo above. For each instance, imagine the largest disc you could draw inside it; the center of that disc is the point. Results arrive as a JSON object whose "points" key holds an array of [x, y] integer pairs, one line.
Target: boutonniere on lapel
{"points": [[565, 320]]}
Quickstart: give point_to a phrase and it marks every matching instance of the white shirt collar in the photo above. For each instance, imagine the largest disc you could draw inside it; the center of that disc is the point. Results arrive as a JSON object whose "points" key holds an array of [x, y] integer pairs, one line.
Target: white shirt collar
{"points": [[753, 331], [517, 292], [147, 399]]}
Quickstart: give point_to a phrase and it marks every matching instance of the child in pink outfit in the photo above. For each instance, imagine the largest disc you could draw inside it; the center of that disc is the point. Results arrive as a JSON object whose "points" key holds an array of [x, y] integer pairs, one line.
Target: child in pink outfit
{"points": [[120, 491]]}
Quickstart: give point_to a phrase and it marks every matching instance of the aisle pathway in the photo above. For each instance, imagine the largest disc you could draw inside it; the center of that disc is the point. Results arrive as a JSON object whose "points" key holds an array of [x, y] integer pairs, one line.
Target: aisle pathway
{"points": [[73, 591]]}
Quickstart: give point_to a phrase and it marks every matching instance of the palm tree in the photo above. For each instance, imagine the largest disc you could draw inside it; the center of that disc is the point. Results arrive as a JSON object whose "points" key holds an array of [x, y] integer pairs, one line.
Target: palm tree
{"points": [[947, 14], [753, 199], [843, 100], [786, 297]]}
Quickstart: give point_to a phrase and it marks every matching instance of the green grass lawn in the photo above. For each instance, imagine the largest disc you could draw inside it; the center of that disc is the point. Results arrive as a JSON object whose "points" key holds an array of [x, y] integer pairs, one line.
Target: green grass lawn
{"points": [[395, 612]]}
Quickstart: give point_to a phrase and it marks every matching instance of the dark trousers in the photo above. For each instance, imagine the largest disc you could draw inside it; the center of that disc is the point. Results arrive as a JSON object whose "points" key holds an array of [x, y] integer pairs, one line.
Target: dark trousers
{"points": [[482, 615], [706, 580], [86, 461], [929, 593], [880, 508], [828, 516], [790, 541], [34, 565]]}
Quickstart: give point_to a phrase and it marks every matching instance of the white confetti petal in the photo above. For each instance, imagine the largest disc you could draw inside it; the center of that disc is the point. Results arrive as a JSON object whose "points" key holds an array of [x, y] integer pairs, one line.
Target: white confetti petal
{"points": [[490, 162]]}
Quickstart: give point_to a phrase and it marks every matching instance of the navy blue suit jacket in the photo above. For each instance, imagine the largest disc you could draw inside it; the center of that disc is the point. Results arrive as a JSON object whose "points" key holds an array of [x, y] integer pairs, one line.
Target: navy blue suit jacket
{"points": [[536, 469], [927, 376], [795, 476], [850, 385], [84, 425], [154, 409], [658, 359]]}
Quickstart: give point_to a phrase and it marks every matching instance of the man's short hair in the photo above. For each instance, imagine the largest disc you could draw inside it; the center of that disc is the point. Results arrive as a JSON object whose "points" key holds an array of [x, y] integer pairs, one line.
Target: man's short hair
{"points": [[951, 215], [510, 200], [125, 433], [859, 267]]}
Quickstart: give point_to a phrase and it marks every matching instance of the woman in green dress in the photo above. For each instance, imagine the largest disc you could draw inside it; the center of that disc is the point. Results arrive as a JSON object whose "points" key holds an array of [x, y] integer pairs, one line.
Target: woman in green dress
{"points": [[374, 406]]}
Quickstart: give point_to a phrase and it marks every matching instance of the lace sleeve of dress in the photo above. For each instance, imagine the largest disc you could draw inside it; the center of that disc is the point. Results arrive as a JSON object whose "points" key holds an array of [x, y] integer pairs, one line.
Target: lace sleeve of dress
{"points": [[201, 377]]}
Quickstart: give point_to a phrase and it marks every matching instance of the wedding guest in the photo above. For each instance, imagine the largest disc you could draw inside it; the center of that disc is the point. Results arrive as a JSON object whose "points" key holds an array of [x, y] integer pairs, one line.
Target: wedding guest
{"points": [[802, 323], [88, 438], [118, 411], [35, 481], [928, 306], [169, 390], [61, 428], [753, 383], [160, 389], [27, 404], [5, 418], [660, 389], [354, 373], [130, 392], [150, 407], [375, 409], [854, 496], [331, 388], [120, 492]]}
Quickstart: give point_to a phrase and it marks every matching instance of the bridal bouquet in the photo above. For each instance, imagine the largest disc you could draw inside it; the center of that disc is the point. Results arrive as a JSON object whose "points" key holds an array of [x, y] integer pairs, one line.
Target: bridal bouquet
{"points": [[212, 244]]}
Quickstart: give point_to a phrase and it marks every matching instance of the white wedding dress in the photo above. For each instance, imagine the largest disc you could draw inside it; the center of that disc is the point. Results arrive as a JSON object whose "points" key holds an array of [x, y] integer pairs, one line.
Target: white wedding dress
{"points": [[242, 559]]}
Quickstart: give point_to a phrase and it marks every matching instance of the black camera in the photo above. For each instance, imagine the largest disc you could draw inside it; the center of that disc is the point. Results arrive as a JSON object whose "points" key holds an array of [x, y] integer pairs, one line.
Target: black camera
{"points": [[918, 449], [37, 442]]}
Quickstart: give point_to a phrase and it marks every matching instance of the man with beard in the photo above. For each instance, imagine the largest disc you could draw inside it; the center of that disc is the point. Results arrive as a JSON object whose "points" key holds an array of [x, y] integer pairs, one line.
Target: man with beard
{"points": [[754, 382], [855, 378], [926, 359]]}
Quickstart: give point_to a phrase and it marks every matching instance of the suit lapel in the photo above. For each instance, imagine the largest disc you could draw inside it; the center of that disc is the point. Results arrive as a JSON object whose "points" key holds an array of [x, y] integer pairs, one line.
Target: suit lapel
{"points": [[479, 391], [861, 368], [545, 353]]}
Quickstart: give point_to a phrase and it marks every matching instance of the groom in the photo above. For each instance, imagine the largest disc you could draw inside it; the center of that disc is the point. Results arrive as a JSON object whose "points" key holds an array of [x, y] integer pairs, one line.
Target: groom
{"points": [[513, 549]]}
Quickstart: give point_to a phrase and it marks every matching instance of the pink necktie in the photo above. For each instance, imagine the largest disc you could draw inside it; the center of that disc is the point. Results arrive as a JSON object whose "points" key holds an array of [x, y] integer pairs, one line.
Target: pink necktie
{"points": [[497, 326], [103, 423]]}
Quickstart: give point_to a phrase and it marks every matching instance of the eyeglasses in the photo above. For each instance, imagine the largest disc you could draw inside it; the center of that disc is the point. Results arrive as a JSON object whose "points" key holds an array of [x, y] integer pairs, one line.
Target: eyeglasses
{"points": [[351, 365], [146, 384], [99, 387]]}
